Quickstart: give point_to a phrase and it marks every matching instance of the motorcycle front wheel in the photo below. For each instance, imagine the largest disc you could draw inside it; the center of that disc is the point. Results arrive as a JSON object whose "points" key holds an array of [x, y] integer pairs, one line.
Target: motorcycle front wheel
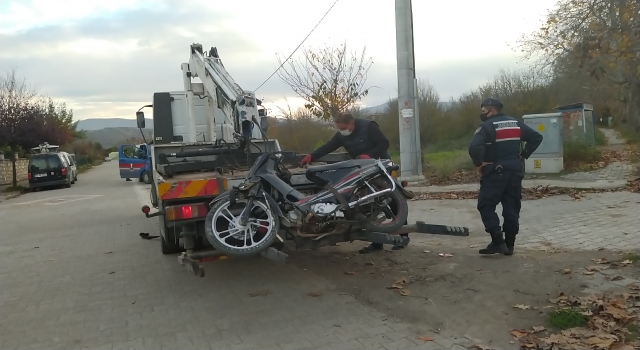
{"points": [[225, 233]]}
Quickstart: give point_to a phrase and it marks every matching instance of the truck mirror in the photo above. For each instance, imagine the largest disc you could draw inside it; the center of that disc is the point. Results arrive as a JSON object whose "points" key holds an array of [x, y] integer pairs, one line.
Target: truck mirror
{"points": [[264, 123], [140, 119]]}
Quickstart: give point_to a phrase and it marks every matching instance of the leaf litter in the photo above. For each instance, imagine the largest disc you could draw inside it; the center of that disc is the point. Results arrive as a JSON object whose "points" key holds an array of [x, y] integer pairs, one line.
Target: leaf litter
{"points": [[610, 317]]}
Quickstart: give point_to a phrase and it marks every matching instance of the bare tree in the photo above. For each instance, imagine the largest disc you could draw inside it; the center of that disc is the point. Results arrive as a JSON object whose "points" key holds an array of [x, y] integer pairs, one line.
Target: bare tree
{"points": [[329, 79]]}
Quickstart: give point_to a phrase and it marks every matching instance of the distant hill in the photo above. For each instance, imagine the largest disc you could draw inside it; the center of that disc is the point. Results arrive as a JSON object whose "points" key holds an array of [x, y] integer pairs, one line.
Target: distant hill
{"points": [[100, 123], [112, 137]]}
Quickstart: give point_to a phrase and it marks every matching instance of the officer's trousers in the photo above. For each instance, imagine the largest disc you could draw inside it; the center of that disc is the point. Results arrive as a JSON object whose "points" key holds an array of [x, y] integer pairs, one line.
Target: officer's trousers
{"points": [[505, 188]]}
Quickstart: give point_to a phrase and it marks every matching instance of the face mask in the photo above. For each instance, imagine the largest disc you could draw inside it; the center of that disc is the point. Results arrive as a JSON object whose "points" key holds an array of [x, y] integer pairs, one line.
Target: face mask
{"points": [[345, 132], [484, 116]]}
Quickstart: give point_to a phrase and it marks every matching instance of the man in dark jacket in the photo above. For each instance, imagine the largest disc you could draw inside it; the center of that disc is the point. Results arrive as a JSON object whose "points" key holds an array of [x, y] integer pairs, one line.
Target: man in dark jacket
{"points": [[362, 139], [496, 150]]}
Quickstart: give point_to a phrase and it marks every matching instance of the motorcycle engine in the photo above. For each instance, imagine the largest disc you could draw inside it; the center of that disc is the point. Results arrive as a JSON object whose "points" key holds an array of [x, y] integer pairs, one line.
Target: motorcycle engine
{"points": [[326, 209]]}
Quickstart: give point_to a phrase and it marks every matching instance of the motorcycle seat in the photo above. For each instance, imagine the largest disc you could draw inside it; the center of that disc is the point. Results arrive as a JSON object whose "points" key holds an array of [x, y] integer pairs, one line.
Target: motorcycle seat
{"points": [[313, 172]]}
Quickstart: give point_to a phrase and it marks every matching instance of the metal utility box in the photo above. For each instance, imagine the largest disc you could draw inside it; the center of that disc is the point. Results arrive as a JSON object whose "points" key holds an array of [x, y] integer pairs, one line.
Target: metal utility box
{"points": [[578, 123], [548, 158]]}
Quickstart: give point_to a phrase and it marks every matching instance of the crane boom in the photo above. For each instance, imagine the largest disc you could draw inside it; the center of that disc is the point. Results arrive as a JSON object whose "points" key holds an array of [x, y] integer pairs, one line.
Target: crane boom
{"points": [[240, 107]]}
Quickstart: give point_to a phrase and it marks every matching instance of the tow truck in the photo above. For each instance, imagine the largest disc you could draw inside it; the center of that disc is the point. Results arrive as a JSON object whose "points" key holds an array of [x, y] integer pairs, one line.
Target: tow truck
{"points": [[205, 139]]}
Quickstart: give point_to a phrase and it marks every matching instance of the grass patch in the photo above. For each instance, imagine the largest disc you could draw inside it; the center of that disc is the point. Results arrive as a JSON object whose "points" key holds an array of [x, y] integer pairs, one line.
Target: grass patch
{"points": [[576, 152], [83, 168], [632, 256], [565, 319], [443, 164], [634, 332], [601, 140], [14, 189], [628, 132]]}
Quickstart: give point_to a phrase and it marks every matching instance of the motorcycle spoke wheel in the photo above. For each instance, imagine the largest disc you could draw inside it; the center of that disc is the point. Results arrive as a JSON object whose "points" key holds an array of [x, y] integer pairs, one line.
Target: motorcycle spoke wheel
{"points": [[231, 236]]}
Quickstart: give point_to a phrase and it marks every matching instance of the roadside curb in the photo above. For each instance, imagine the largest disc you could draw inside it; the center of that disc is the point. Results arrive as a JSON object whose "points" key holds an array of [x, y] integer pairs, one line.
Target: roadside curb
{"points": [[533, 184]]}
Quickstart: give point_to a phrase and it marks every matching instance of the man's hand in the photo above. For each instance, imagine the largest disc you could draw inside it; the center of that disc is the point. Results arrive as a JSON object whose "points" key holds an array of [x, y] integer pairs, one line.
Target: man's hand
{"points": [[305, 161], [363, 156], [479, 168]]}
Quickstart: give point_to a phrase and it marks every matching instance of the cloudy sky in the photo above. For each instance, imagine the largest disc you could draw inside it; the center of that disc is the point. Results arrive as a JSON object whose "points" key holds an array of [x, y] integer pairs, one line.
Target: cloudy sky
{"points": [[105, 58]]}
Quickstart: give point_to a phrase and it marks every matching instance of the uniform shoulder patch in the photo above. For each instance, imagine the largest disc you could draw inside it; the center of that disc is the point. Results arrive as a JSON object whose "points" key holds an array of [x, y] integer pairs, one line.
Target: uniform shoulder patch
{"points": [[477, 130]]}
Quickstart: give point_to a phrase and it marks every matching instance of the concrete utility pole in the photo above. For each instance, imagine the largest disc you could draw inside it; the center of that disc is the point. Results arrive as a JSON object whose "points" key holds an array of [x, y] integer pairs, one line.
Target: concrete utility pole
{"points": [[410, 151]]}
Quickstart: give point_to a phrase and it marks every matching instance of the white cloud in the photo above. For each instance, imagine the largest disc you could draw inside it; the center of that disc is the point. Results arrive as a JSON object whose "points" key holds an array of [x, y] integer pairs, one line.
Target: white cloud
{"points": [[106, 57]]}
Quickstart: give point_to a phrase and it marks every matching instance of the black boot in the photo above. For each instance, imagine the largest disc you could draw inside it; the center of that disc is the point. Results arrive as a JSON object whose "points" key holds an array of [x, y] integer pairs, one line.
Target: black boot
{"points": [[510, 241], [371, 248], [497, 245]]}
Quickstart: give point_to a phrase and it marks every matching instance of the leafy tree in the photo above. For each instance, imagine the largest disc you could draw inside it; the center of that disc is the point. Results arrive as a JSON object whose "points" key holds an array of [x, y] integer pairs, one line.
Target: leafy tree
{"points": [[27, 120], [598, 38], [329, 79]]}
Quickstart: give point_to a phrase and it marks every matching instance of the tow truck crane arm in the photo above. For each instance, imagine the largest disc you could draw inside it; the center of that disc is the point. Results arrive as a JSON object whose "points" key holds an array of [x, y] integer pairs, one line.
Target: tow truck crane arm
{"points": [[240, 107]]}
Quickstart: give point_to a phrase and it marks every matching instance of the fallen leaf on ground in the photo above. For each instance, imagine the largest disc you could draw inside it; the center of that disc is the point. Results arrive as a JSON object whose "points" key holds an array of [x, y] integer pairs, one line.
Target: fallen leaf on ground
{"points": [[615, 278], [538, 329], [424, 338], [481, 347], [260, 293], [588, 273], [404, 292], [565, 271], [445, 255], [473, 246], [519, 333], [521, 306], [626, 262], [402, 280], [595, 268], [350, 273], [602, 343], [634, 286], [600, 261], [314, 294], [396, 286]]}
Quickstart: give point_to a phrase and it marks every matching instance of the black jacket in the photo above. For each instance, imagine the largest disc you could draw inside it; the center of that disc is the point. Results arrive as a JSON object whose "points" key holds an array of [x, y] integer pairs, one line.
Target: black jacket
{"points": [[366, 138], [498, 141]]}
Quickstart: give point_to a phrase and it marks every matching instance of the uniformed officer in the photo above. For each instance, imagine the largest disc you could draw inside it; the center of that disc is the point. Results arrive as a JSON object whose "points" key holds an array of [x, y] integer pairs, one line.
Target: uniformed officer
{"points": [[496, 152], [362, 139]]}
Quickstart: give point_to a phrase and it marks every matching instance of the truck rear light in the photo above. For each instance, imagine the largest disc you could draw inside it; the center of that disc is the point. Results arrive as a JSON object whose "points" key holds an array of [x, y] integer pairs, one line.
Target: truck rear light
{"points": [[186, 212], [29, 176], [64, 171], [404, 183]]}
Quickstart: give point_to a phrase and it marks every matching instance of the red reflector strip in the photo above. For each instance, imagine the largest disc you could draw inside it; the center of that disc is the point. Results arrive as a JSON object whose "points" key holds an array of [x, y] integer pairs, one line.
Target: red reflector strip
{"points": [[186, 212]]}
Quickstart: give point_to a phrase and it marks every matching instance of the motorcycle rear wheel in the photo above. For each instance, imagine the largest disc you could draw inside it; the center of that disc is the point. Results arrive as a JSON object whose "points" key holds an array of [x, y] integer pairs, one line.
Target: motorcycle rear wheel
{"points": [[224, 232], [400, 210]]}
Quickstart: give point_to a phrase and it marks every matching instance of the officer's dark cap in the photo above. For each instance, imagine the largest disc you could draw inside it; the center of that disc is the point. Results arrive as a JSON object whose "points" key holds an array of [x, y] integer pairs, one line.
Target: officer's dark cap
{"points": [[494, 102]]}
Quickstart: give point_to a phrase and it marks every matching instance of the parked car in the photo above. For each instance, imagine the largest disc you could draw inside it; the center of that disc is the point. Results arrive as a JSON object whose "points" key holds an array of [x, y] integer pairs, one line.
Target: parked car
{"points": [[49, 170], [71, 159]]}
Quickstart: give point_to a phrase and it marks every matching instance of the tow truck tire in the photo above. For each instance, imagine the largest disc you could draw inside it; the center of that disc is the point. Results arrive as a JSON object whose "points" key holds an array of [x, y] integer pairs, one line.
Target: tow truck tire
{"points": [[167, 247], [145, 177]]}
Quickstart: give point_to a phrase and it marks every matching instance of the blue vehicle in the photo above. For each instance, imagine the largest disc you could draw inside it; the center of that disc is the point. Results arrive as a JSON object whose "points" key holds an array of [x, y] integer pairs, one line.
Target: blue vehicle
{"points": [[134, 162]]}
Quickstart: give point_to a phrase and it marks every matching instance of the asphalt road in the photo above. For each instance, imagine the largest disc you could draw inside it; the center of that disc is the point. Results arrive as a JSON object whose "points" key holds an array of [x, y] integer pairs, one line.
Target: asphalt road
{"points": [[75, 274]]}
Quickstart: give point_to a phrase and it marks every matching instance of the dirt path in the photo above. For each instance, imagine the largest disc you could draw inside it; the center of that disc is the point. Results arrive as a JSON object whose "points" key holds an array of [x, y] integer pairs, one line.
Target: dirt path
{"points": [[459, 295], [614, 140]]}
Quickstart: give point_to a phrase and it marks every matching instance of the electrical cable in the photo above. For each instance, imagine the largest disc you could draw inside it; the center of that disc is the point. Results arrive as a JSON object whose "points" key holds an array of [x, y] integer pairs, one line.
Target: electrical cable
{"points": [[294, 51]]}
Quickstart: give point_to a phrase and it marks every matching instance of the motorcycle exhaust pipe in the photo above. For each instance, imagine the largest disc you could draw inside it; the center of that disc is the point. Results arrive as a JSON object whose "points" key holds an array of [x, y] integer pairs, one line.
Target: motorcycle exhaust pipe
{"points": [[379, 193]]}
